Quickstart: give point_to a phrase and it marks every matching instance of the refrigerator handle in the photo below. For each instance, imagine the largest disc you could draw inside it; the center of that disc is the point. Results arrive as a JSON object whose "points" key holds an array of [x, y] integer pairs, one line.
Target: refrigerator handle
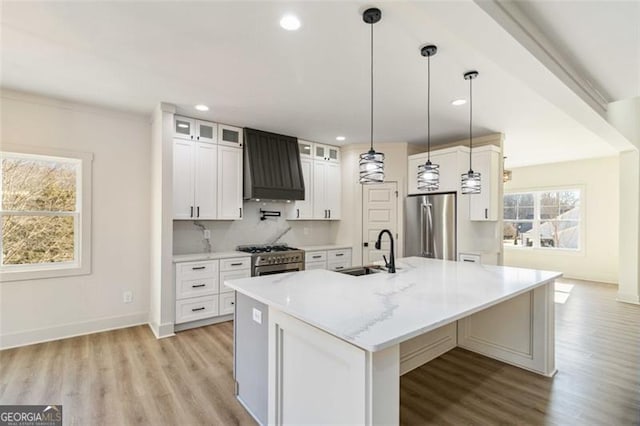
{"points": [[423, 229], [429, 233]]}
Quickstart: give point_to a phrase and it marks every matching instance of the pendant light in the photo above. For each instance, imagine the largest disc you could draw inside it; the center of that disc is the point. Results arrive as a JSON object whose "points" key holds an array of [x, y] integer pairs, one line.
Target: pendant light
{"points": [[428, 173], [371, 162], [471, 179]]}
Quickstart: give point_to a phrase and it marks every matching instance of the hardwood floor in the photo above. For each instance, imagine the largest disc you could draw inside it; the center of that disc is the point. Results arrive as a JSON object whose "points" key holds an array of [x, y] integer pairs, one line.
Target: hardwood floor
{"points": [[128, 377]]}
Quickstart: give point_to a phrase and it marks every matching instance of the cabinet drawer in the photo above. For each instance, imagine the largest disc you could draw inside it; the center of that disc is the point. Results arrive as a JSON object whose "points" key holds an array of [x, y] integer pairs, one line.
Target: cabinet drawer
{"points": [[235, 264], [469, 258], [196, 287], [336, 266], [196, 308], [338, 255], [193, 270], [315, 265], [227, 303], [232, 275], [315, 256]]}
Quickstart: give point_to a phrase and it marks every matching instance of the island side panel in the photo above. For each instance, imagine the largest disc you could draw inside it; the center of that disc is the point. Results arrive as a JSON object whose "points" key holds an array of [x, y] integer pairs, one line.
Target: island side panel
{"points": [[315, 377], [519, 331], [251, 323]]}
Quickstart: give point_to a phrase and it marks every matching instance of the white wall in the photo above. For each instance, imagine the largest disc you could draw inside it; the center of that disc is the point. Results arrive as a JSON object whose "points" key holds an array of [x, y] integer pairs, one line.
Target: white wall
{"points": [[57, 307], [395, 167], [227, 235], [598, 258]]}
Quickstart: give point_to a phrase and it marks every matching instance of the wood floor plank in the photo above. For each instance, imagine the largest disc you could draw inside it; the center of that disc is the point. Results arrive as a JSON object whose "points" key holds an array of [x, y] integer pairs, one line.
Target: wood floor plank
{"points": [[128, 377]]}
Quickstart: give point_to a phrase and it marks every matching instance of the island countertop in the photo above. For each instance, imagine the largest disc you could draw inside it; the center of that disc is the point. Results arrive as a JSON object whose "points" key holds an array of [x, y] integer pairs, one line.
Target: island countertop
{"points": [[379, 310]]}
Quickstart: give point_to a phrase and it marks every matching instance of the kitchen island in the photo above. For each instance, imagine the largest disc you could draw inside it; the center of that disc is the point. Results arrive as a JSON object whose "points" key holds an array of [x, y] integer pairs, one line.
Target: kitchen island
{"points": [[336, 344]]}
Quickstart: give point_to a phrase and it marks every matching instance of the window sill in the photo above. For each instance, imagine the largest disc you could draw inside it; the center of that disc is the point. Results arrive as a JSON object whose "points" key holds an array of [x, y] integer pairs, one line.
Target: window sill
{"points": [[39, 273], [547, 250]]}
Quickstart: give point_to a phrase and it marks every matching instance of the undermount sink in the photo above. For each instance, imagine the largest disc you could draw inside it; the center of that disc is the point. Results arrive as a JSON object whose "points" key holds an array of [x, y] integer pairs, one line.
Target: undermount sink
{"points": [[361, 270]]}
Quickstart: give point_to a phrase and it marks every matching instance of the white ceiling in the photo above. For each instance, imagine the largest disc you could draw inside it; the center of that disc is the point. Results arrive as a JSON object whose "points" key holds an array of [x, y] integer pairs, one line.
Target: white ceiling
{"points": [[312, 83]]}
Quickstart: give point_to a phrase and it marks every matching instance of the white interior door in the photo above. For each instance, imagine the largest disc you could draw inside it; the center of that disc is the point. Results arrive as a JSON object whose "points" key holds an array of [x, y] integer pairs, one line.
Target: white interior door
{"points": [[379, 211]]}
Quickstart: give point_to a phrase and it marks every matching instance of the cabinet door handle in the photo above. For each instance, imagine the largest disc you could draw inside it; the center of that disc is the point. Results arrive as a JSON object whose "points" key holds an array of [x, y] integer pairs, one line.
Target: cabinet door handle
{"points": [[233, 303], [486, 213], [469, 260], [316, 256], [339, 267], [198, 137], [198, 285], [240, 212], [298, 214], [339, 254], [237, 264], [191, 214], [195, 268], [197, 309], [198, 211], [329, 213]]}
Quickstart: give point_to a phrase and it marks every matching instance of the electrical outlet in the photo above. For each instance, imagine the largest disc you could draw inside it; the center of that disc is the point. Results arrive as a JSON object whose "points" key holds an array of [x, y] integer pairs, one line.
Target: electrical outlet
{"points": [[127, 297], [207, 234], [257, 315]]}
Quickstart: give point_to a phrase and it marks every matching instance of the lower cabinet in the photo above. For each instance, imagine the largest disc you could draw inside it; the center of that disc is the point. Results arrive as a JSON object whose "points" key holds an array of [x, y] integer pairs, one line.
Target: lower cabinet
{"points": [[333, 260], [200, 289]]}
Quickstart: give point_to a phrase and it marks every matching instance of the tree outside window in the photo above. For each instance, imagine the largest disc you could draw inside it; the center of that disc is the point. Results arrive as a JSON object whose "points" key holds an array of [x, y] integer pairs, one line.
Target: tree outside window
{"points": [[41, 213]]}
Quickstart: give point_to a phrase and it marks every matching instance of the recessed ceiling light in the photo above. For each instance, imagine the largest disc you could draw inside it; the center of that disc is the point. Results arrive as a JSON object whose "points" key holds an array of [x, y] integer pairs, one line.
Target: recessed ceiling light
{"points": [[290, 22], [458, 102], [201, 107], [340, 138]]}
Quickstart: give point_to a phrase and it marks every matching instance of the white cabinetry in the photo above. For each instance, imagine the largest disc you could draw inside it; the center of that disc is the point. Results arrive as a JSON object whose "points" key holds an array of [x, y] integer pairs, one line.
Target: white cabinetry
{"points": [[322, 181], [229, 136], [197, 130], [229, 182], [207, 177], [194, 180], [484, 206], [333, 260], [200, 289], [450, 161], [326, 190]]}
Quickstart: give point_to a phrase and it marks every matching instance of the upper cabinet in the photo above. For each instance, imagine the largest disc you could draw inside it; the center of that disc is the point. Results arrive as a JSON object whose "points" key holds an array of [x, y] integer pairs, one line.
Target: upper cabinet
{"points": [[448, 159], [453, 163], [326, 153], [197, 130], [484, 206], [229, 136], [207, 170], [194, 180], [322, 183]]}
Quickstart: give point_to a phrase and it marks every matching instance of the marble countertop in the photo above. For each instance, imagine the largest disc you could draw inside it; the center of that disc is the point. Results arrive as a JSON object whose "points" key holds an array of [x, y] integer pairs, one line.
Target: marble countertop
{"points": [[379, 310], [194, 257], [326, 247]]}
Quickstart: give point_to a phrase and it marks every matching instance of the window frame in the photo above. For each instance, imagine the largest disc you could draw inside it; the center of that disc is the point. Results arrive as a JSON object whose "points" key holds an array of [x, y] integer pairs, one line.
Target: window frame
{"points": [[81, 265], [537, 221]]}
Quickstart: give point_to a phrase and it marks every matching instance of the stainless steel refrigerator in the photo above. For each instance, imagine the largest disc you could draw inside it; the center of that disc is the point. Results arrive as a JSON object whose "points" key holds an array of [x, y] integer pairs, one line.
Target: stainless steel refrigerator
{"points": [[430, 226]]}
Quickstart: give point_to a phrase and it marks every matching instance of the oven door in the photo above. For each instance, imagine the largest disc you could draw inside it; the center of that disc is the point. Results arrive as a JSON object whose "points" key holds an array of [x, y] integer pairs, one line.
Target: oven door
{"points": [[277, 269]]}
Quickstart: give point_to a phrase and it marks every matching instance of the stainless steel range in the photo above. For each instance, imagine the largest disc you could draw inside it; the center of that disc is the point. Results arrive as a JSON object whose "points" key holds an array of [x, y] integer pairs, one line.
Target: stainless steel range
{"points": [[273, 259]]}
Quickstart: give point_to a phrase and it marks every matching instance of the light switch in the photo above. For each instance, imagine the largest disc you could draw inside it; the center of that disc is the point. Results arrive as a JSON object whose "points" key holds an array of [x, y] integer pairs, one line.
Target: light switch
{"points": [[257, 316]]}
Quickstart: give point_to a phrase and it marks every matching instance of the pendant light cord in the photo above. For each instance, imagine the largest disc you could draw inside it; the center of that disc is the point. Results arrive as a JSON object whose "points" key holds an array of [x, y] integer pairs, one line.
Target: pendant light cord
{"points": [[470, 121], [428, 108], [371, 86]]}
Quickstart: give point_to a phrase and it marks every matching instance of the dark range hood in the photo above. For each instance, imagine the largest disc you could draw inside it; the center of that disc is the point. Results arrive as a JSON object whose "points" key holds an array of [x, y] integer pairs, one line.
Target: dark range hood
{"points": [[272, 169]]}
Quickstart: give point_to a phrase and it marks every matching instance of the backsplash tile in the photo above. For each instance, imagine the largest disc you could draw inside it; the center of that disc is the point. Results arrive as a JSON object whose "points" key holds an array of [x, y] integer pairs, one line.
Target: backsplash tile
{"points": [[227, 235]]}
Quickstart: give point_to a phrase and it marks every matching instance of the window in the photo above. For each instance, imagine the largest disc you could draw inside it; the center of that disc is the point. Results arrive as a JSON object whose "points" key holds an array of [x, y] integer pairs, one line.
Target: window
{"points": [[543, 219], [45, 214]]}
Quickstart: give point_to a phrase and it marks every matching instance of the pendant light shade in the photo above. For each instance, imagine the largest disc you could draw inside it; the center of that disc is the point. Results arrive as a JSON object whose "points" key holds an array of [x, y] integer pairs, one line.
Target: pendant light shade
{"points": [[471, 183], [428, 173], [371, 162]]}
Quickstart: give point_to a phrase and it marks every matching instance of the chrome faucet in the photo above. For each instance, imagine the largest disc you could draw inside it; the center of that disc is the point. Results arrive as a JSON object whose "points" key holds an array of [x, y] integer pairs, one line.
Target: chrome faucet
{"points": [[391, 263]]}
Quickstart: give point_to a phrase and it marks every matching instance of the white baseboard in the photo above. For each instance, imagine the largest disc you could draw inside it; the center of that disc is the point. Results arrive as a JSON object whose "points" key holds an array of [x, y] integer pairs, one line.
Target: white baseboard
{"points": [[162, 330], [628, 298], [64, 331]]}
